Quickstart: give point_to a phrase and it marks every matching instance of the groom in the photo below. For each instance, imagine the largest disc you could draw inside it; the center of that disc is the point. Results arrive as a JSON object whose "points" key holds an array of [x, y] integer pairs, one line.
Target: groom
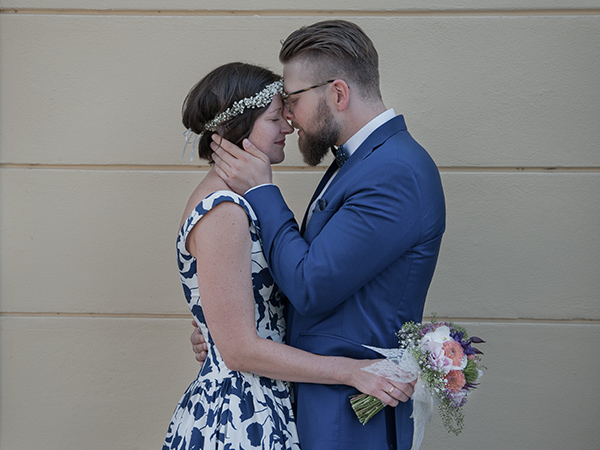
{"points": [[361, 263]]}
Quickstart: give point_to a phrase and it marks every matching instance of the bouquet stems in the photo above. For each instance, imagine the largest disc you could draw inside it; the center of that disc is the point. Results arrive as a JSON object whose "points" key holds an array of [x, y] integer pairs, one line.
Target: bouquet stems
{"points": [[365, 406]]}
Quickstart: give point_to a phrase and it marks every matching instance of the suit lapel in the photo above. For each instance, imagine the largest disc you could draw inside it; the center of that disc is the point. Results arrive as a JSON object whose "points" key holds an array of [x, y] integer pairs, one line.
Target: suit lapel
{"points": [[328, 174], [374, 140]]}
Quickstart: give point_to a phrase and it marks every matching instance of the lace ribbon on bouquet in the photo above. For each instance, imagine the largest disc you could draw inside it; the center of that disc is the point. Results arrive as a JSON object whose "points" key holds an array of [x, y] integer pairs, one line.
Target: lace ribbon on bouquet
{"points": [[401, 366]]}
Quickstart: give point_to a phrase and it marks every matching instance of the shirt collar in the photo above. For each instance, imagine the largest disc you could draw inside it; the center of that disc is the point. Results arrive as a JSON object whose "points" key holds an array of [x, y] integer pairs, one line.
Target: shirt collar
{"points": [[359, 137]]}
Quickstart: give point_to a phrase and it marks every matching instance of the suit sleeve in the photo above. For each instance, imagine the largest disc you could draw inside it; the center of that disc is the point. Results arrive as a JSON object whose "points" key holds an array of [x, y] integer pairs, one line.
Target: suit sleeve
{"points": [[377, 223]]}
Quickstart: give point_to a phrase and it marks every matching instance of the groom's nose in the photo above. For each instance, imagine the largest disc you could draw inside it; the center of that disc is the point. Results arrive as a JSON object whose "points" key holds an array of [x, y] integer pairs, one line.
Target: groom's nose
{"points": [[287, 114]]}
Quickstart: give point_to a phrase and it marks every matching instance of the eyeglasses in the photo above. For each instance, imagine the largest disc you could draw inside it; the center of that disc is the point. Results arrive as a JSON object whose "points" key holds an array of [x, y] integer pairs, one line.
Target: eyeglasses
{"points": [[285, 96]]}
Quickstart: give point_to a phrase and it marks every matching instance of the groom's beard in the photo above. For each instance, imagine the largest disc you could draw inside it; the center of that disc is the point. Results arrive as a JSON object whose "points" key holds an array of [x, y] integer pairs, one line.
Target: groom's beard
{"points": [[315, 145]]}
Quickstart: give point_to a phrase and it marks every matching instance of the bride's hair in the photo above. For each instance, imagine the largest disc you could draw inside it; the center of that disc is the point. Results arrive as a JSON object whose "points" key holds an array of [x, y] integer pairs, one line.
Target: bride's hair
{"points": [[216, 92]]}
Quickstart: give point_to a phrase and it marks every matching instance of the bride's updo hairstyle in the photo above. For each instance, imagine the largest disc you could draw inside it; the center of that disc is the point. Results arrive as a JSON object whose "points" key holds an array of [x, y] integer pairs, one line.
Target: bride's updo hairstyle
{"points": [[216, 92]]}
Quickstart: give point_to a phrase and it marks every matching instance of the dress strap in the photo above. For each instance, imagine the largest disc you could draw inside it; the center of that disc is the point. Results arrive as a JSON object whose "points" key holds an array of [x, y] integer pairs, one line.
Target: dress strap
{"points": [[205, 206]]}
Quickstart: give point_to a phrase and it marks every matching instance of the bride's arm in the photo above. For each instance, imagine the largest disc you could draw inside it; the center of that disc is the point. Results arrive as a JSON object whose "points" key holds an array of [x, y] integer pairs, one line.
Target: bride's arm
{"points": [[221, 244]]}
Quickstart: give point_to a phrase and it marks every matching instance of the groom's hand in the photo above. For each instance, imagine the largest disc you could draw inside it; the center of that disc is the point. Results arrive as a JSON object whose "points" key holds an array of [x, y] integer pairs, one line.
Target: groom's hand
{"points": [[198, 344], [241, 170]]}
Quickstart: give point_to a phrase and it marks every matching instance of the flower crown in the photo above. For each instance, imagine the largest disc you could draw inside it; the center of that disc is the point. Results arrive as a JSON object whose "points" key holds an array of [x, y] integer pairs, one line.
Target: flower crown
{"points": [[263, 98], [260, 100]]}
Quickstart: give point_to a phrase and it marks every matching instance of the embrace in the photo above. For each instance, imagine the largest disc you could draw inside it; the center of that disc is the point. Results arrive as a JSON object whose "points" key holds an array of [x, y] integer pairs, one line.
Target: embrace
{"points": [[283, 311]]}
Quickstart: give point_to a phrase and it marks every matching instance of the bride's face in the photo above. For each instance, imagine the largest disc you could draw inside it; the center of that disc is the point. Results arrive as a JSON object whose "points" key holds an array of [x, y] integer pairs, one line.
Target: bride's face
{"points": [[269, 131]]}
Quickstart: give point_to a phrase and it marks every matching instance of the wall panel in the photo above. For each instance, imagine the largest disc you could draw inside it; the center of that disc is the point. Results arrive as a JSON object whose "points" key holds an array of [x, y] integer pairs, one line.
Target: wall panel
{"points": [[94, 383], [100, 383], [100, 240], [476, 91], [519, 246], [94, 332], [525, 394], [322, 6]]}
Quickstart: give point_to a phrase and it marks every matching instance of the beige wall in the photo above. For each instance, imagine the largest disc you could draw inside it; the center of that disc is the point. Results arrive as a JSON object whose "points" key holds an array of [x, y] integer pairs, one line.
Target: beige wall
{"points": [[94, 330]]}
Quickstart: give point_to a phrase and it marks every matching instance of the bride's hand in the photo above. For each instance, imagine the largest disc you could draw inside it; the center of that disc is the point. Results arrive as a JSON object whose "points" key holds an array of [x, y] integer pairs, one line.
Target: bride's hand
{"points": [[388, 391]]}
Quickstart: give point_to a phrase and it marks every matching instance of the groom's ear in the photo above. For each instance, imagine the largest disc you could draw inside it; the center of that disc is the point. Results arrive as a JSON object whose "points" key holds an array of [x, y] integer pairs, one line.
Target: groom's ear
{"points": [[341, 94]]}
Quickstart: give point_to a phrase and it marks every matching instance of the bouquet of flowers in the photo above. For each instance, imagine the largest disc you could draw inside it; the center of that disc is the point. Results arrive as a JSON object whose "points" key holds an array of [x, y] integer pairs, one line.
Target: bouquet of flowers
{"points": [[441, 357]]}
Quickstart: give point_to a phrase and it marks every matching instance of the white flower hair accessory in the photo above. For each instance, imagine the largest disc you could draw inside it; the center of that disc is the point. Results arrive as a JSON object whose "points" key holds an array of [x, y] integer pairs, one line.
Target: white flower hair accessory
{"points": [[260, 100], [263, 98]]}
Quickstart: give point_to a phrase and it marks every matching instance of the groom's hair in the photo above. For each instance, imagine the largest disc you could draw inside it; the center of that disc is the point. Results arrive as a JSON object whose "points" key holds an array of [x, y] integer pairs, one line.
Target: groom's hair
{"points": [[336, 49]]}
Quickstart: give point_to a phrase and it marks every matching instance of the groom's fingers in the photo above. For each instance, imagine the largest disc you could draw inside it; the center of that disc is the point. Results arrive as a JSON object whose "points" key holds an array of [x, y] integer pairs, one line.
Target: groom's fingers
{"points": [[199, 345], [221, 168], [221, 156], [221, 162], [254, 151], [226, 149]]}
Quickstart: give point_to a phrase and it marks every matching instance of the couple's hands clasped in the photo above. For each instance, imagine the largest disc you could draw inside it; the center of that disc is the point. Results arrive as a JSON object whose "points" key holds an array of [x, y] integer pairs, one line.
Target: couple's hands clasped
{"points": [[240, 169]]}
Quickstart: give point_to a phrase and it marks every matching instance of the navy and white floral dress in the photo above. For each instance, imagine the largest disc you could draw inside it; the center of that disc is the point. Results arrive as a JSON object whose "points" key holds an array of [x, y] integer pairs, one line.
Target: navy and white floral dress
{"points": [[224, 409]]}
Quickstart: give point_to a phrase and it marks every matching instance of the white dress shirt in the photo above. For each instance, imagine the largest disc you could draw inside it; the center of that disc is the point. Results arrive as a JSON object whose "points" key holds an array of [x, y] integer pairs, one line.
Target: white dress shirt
{"points": [[352, 145]]}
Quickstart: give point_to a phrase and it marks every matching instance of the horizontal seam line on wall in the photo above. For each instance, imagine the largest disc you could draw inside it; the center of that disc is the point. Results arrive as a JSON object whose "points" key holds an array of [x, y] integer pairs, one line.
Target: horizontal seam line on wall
{"points": [[188, 316], [305, 12], [191, 168]]}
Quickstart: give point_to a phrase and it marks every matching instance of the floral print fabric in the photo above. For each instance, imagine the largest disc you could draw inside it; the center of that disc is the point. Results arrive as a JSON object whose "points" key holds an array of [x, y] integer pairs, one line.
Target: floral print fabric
{"points": [[224, 409]]}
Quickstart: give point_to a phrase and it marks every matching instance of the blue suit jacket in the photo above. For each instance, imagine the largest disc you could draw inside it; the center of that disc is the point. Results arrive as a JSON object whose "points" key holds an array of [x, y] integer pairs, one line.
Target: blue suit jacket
{"points": [[361, 269]]}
